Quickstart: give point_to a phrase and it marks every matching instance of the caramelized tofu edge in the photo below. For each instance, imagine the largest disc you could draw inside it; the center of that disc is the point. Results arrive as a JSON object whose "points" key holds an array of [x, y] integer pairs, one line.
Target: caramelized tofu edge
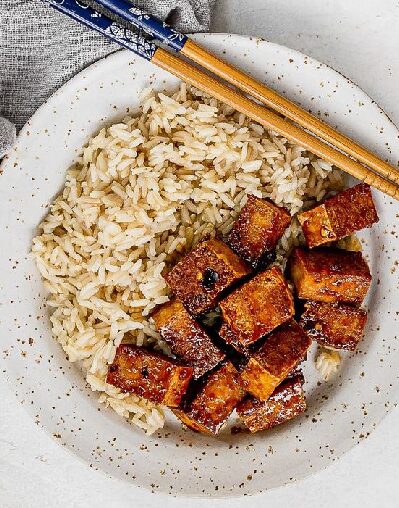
{"points": [[212, 401], [286, 402], [204, 274], [330, 275], [257, 230], [340, 326], [256, 308], [186, 338], [317, 227], [348, 211], [149, 374], [282, 351]]}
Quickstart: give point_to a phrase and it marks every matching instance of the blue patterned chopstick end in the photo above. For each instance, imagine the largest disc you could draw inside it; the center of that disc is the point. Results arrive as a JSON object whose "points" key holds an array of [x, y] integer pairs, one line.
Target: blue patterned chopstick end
{"points": [[144, 21], [93, 19]]}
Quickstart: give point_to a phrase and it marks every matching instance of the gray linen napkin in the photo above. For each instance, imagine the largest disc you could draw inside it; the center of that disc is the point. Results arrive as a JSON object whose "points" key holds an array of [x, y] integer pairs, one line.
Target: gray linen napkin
{"points": [[40, 49]]}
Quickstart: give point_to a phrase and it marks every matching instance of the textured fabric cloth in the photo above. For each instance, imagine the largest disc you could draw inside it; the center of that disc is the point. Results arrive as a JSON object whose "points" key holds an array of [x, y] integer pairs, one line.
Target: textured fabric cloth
{"points": [[7, 136], [40, 49]]}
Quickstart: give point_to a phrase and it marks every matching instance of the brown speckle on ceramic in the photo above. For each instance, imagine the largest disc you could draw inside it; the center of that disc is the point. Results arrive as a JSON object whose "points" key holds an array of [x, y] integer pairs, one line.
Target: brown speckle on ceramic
{"points": [[341, 412]]}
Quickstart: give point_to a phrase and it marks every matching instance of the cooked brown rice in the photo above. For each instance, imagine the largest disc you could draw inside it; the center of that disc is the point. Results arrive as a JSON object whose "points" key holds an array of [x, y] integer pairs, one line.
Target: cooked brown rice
{"points": [[142, 193]]}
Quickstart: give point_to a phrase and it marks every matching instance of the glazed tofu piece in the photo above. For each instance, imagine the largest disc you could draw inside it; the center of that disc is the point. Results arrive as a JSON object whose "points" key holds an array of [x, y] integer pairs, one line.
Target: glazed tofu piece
{"points": [[283, 350], [339, 216], [330, 275], [256, 308], [257, 230], [213, 401], [227, 334], [200, 278], [286, 402], [186, 338], [149, 374], [336, 325]]}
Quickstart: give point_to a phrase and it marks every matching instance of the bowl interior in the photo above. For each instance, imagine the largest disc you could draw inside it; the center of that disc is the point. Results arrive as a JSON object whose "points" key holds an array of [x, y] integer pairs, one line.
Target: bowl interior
{"points": [[341, 412]]}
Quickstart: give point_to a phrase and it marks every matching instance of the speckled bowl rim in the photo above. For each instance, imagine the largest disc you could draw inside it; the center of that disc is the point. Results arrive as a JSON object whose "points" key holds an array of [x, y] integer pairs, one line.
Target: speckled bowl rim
{"points": [[76, 79]]}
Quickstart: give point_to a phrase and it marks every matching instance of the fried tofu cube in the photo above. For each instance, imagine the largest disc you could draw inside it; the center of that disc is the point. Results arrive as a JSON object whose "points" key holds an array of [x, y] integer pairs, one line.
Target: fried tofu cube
{"points": [[336, 325], [286, 402], [149, 374], [256, 308], [227, 334], [339, 216], [186, 338], [270, 365], [203, 274], [213, 401], [257, 230], [330, 275]]}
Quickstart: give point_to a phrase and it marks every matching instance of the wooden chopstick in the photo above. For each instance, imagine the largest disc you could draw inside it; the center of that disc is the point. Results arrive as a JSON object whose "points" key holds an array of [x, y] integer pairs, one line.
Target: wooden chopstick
{"points": [[207, 83], [222, 69], [287, 108]]}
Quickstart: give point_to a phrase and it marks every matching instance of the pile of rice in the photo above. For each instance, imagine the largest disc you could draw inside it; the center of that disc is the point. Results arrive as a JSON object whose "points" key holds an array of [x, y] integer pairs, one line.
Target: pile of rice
{"points": [[142, 193]]}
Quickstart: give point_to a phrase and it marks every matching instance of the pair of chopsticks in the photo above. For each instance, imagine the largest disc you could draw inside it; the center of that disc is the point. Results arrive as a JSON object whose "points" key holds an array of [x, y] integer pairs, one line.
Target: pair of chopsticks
{"points": [[319, 138]]}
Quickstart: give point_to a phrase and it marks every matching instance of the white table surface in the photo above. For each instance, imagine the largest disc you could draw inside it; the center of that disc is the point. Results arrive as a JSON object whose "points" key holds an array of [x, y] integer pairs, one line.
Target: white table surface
{"points": [[359, 38]]}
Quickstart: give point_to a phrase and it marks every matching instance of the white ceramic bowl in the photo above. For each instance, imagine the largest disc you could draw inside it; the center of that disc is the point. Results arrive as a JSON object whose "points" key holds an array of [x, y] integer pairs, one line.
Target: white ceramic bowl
{"points": [[341, 412]]}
